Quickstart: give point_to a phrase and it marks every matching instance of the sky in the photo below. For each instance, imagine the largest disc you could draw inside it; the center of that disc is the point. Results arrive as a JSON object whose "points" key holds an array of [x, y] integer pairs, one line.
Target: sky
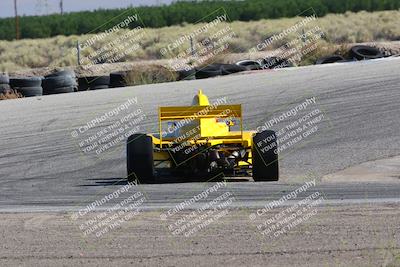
{"points": [[42, 7]]}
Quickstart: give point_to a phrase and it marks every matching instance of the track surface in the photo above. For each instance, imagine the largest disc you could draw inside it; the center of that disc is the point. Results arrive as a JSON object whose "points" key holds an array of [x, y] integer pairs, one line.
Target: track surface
{"points": [[41, 165]]}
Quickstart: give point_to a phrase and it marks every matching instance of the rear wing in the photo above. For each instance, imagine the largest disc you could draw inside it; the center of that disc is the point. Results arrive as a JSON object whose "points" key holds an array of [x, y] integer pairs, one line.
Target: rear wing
{"points": [[199, 112], [192, 113]]}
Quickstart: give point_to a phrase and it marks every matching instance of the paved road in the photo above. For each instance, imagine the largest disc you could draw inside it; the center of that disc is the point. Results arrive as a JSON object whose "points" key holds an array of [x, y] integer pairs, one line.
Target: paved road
{"points": [[42, 164], [169, 196]]}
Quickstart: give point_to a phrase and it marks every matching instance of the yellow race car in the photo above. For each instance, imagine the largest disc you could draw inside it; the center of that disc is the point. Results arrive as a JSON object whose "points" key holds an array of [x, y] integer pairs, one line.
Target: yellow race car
{"points": [[202, 140]]}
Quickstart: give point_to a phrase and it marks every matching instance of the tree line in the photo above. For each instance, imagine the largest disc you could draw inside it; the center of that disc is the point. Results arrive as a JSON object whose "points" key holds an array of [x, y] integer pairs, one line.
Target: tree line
{"points": [[78, 23]]}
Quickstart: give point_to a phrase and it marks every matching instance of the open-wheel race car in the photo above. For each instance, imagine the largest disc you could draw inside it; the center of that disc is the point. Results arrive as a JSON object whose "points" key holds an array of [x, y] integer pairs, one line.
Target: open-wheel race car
{"points": [[202, 140]]}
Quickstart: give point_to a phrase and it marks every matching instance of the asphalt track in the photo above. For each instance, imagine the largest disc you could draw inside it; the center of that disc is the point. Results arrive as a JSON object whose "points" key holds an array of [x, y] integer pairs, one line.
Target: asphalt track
{"points": [[43, 168]]}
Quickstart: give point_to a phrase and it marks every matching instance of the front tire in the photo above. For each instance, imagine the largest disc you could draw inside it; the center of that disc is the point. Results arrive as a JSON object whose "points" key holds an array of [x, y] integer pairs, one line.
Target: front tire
{"points": [[140, 163], [265, 157]]}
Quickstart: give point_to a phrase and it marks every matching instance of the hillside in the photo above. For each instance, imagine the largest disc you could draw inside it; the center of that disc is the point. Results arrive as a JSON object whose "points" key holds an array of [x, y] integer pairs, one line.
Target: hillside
{"points": [[338, 30], [183, 12]]}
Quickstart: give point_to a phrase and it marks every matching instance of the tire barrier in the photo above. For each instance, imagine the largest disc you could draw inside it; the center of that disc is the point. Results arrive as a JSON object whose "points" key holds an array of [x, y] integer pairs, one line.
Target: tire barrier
{"points": [[249, 64], [227, 69], [275, 63], [65, 81], [4, 79], [214, 70], [330, 59], [82, 84], [29, 91], [94, 83], [209, 71], [26, 82], [60, 82], [4, 83], [4, 88], [362, 52], [358, 52], [27, 86], [62, 73], [186, 75], [117, 79]]}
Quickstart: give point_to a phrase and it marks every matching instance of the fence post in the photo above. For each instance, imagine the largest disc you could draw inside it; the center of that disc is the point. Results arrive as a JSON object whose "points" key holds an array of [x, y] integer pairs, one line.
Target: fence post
{"points": [[78, 52], [191, 46]]}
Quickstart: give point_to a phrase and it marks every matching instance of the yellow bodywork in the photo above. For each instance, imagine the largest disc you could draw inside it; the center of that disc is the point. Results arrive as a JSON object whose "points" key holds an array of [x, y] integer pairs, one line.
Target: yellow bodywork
{"points": [[201, 124]]}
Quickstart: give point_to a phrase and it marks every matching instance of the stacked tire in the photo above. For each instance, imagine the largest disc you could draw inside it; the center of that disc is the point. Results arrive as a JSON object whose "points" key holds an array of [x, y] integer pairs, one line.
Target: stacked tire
{"points": [[275, 63], [27, 87], [330, 59], [184, 75], [363, 52], [249, 64], [358, 52], [214, 70], [94, 83], [4, 84], [117, 79], [209, 71], [227, 69], [60, 82]]}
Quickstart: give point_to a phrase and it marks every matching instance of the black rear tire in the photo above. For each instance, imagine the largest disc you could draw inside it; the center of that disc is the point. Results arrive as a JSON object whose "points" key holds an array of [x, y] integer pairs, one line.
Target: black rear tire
{"points": [[265, 160], [140, 163]]}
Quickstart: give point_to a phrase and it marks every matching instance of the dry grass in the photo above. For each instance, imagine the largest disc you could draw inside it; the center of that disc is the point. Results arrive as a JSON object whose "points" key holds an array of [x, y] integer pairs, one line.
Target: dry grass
{"points": [[10, 95], [150, 74], [339, 29]]}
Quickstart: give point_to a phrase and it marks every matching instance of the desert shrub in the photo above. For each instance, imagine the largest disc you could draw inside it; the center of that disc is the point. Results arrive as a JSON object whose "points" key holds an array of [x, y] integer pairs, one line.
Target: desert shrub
{"points": [[338, 28], [148, 74], [181, 12], [10, 95]]}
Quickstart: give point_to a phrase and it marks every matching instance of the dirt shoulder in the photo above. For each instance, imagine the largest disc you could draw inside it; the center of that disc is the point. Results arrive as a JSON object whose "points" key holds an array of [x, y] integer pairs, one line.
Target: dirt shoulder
{"points": [[384, 170], [335, 236]]}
